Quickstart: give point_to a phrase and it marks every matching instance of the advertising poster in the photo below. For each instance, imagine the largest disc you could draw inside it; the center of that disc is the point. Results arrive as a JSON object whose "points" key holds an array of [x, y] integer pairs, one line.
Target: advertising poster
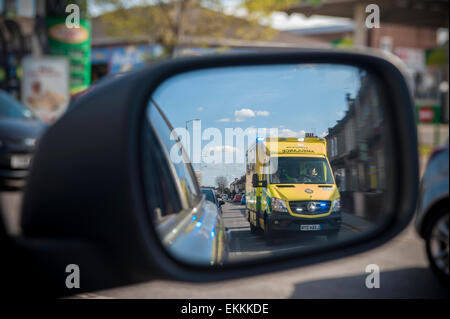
{"points": [[45, 86], [75, 44]]}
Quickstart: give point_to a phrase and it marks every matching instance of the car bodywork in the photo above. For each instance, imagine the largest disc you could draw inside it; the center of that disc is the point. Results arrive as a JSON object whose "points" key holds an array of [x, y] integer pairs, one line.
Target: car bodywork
{"points": [[433, 193], [19, 133], [211, 196]]}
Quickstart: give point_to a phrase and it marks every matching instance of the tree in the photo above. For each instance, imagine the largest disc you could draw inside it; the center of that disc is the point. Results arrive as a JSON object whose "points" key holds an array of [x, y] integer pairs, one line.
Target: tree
{"points": [[221, 182], [266, 7], [169, 22]]}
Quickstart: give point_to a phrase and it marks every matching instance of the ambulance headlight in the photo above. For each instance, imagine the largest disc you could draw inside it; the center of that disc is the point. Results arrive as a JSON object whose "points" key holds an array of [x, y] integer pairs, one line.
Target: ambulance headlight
{"points": [[336, 205], [279, 205]]}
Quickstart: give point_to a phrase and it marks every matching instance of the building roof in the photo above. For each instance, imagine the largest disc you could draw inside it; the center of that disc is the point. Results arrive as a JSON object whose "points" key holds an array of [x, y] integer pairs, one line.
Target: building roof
{"points": [[427, 13], [328, 29]]}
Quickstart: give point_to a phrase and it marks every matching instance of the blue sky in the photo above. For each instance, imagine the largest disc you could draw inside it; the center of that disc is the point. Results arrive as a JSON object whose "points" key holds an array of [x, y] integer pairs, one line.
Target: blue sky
{"points": [[292, 98]]}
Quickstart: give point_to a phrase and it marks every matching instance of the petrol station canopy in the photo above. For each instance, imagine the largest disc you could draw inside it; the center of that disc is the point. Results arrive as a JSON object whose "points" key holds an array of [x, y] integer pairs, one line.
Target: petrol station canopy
{"points": [[419, 13]]}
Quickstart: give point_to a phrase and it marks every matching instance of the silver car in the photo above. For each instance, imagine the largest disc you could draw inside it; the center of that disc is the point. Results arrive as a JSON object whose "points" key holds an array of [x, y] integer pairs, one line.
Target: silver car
{"points": [[433, 211]]}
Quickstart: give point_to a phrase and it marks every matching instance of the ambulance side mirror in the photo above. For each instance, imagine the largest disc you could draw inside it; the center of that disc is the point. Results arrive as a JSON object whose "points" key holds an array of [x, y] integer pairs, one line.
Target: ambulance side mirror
{"points": [[338, 181], [255, 180]]}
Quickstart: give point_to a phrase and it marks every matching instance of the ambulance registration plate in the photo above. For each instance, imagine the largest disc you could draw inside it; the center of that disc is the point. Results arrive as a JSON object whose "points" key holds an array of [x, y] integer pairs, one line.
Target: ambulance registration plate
{"points": [[310, 227]]}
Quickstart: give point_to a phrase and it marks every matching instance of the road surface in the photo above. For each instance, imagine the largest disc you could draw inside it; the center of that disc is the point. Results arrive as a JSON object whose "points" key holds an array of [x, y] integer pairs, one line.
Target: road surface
{"points": [[402, 262], [245, 245]]}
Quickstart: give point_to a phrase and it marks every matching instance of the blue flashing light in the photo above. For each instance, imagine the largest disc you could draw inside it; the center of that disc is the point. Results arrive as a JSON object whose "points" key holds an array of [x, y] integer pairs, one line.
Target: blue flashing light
{"points": [[260, 139]]}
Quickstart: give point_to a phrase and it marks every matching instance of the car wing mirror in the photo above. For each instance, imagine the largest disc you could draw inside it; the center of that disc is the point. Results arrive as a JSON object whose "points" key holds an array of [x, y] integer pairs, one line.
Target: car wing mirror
{"points": [[132, 190]]}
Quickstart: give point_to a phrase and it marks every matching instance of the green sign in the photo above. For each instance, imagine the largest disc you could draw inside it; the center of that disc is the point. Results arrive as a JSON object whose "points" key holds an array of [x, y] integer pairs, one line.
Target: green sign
{"points": [[75, 44]]}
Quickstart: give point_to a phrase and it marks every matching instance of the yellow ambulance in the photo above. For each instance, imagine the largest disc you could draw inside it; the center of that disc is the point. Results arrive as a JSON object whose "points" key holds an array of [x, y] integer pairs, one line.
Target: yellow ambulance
{"points": [[290, 187]]}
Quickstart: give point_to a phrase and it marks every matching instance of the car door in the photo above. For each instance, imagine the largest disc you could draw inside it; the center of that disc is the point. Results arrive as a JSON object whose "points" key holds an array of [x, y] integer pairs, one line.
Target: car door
{"points": [[183, 216]]}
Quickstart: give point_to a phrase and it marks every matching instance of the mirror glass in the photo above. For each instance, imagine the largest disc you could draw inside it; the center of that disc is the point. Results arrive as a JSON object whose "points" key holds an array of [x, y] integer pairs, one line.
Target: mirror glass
{"points": [[298, 152]]}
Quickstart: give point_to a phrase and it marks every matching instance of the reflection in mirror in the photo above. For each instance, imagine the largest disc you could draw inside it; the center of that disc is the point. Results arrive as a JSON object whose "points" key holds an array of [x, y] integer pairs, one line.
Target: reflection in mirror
{"points": [[296, 152]]}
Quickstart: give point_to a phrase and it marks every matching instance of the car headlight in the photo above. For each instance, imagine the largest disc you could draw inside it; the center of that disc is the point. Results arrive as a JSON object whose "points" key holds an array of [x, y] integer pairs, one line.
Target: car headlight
{"points": [[336, 205], [279, 205]]}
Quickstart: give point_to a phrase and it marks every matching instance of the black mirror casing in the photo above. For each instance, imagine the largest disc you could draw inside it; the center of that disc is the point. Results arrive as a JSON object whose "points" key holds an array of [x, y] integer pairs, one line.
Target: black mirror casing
{"points": [[86, 184]]}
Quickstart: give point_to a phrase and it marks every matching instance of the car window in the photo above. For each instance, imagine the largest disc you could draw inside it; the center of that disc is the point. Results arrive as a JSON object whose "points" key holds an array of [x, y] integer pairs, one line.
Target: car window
{"points": [[10, 107], [161, 192], [303, 170], [182, 171], [209, 195]]}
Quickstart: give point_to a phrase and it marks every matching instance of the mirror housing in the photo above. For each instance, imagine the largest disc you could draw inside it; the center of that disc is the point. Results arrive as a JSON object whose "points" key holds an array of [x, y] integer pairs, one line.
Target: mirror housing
{"points": [[100, 190]]}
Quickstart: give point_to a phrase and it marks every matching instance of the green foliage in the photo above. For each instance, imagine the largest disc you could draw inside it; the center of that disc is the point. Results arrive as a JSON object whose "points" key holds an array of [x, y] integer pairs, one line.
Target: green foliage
{"points": [[171, 22], [266, 7]]}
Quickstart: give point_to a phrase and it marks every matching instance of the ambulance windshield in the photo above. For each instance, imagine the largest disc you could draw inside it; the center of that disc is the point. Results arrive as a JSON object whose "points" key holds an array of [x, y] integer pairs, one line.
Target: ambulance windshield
{"points": [[301, 170]]}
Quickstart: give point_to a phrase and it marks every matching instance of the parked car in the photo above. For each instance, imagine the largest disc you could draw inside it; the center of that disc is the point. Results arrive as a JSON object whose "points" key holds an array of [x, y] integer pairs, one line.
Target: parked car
{"points": [[433, 213], [19, 133], [211, 196], [243, 199], [237, 198]]}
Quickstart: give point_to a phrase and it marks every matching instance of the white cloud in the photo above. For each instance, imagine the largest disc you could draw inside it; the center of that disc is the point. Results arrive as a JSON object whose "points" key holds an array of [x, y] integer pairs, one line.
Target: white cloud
{"points": [[243, 114], [285, 132], [200, 108], [224, 120], [262, 113]]}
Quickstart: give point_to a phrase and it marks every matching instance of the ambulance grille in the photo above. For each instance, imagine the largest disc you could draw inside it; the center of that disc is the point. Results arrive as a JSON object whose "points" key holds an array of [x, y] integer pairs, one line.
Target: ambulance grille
{"points": [[301, 207]]}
